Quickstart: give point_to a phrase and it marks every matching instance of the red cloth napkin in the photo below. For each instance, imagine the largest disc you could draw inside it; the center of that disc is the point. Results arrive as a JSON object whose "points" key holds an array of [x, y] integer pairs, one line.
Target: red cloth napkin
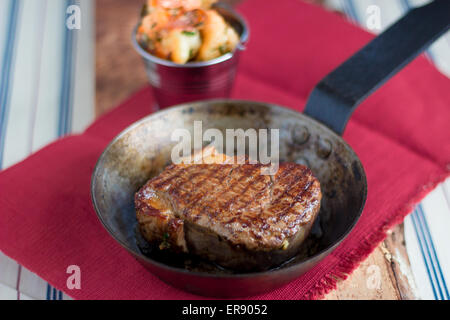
{"points": [[401, 135]]}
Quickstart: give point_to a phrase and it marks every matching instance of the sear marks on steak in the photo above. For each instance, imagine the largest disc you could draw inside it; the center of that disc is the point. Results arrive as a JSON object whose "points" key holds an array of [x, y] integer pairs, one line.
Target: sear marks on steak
{"points": [[228, 213]]}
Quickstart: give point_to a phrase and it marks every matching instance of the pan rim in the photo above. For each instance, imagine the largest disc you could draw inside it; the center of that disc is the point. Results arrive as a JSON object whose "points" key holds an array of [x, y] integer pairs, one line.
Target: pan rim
{"points": [[280, 270]]}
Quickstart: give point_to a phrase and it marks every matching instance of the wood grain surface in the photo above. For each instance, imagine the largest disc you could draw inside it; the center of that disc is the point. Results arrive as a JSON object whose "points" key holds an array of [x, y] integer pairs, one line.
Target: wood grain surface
{"points": [[384, 274]]}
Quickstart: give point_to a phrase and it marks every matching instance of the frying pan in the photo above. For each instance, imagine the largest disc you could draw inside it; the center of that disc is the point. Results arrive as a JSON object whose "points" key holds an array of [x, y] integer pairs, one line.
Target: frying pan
{"points": [[313, 138]]}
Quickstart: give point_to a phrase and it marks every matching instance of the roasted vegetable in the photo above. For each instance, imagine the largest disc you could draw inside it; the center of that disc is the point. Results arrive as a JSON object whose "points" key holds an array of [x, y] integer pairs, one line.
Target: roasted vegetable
{"points": [[185, 30]]}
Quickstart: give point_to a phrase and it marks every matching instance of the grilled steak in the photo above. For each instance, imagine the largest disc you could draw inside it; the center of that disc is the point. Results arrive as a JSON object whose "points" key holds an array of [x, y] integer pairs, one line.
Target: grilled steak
{"points": [[228, 213]]}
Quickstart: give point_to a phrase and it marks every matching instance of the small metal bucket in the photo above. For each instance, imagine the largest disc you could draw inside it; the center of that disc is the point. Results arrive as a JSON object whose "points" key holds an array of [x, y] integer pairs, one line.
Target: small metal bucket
{"points": [[174, 83]]}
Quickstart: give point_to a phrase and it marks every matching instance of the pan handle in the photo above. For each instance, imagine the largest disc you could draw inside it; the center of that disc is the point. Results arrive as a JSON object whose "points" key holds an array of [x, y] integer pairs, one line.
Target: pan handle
{"points": [[335, 97]]}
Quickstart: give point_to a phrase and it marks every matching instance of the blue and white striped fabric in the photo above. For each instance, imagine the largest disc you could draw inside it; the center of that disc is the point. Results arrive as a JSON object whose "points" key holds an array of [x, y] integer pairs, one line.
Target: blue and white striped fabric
{"points": [[47, 89], [427, 238], [427, 228]]}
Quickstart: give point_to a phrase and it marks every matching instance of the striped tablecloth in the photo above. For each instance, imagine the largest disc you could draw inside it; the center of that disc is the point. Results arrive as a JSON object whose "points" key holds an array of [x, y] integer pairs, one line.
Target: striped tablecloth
{"points": [[47, 90]]}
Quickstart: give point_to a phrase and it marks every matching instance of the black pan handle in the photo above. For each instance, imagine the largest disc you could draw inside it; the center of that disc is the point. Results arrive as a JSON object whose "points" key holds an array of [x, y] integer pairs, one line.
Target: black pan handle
{"points": [[335, 97]]}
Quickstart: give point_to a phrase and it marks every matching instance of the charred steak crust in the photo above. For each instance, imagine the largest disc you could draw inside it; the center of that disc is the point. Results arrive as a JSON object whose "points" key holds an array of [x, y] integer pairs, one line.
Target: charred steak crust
{"points": [[230, 214]]}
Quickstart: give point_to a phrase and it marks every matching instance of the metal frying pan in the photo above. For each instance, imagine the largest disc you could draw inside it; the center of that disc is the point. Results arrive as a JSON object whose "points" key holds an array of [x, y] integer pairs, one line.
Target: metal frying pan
{"points": [[313, 138]]}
